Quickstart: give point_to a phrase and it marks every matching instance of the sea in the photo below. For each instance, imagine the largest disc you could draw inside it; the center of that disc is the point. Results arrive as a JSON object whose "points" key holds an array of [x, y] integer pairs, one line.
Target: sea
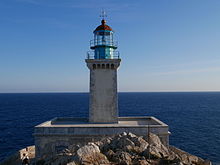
{"points": [[193, 117]]}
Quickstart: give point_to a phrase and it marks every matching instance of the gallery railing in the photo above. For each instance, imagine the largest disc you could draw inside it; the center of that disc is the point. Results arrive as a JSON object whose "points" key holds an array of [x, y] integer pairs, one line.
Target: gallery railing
{"points": [[112, 55], [101, 42]]}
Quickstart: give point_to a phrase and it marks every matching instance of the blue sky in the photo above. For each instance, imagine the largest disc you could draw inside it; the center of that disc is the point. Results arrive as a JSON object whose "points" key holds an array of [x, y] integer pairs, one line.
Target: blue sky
{"points": [[165, 45]]}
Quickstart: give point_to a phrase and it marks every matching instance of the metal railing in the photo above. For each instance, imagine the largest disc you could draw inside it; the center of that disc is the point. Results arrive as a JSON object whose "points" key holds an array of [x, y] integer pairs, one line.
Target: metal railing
{"points": [[101, 42], [113, 55]]}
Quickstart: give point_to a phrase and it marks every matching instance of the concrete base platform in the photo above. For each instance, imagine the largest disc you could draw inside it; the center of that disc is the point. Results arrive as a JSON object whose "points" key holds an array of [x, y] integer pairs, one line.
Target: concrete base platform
{"points": [[59, 133]]}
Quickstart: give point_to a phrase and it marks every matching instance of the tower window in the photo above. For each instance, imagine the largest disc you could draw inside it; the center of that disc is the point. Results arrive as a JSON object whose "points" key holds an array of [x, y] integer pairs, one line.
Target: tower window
{"points": [[103, 66], [98, 66], [107, 66], [112, 66]]}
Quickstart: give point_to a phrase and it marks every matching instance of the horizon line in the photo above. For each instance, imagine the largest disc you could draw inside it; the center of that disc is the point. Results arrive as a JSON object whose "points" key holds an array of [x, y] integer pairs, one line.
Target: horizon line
{"points": [[117, 92]]}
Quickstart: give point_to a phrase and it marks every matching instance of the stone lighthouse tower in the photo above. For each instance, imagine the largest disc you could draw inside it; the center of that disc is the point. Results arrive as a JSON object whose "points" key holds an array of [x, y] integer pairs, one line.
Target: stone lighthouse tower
{"points": [[52, 137], [103, 62]]}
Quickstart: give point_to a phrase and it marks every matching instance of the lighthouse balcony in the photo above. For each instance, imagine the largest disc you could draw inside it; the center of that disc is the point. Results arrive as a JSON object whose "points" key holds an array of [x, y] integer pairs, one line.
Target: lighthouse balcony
{"points": [[103, 42], [113, 55]]}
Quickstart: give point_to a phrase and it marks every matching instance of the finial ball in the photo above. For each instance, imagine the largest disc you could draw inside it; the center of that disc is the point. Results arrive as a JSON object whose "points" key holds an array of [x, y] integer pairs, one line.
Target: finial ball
{"points": [[103, 22]]}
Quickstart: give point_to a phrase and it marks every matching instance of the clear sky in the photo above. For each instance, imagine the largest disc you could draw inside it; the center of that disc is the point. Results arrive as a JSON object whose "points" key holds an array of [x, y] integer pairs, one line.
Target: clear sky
{"points": [[165, 45]]}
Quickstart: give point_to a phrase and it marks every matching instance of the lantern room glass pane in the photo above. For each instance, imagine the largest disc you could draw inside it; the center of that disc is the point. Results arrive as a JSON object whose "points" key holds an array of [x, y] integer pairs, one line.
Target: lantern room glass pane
{"points": [[103, 38]]}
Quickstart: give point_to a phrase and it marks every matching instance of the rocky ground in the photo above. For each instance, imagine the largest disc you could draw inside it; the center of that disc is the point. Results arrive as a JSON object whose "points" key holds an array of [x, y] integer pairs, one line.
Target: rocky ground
{"points": [[122, 149]]}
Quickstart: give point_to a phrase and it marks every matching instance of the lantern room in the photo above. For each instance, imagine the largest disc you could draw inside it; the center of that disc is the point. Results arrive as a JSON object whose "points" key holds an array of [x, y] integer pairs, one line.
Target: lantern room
{"points": [[103, 44]]}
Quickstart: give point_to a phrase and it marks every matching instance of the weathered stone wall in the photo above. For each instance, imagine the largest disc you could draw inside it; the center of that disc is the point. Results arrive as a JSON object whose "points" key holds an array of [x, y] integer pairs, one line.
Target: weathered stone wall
{"points": [[55, 138], [103, 106]]}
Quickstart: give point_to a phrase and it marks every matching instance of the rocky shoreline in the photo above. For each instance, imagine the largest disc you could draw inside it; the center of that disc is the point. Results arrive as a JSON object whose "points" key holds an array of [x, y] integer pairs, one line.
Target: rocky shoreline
{"points": [[122, 149]]}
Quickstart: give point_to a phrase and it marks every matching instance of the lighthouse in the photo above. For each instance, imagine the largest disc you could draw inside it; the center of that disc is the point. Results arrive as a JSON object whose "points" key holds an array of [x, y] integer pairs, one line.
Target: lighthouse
{"points": [[103, 61]]}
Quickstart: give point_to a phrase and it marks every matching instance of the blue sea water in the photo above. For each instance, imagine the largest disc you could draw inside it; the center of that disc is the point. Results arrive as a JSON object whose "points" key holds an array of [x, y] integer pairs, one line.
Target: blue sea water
{"points": [[193, 117]]}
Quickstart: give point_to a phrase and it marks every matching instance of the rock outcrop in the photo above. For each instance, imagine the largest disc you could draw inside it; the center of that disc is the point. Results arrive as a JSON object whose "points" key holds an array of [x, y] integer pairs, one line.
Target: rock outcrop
{"points": [[15, 159], [122, 149]]}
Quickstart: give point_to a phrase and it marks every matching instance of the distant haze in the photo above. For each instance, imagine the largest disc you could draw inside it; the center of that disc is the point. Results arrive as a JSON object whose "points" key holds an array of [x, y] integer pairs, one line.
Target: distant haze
{"points": [[164, 45]]}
